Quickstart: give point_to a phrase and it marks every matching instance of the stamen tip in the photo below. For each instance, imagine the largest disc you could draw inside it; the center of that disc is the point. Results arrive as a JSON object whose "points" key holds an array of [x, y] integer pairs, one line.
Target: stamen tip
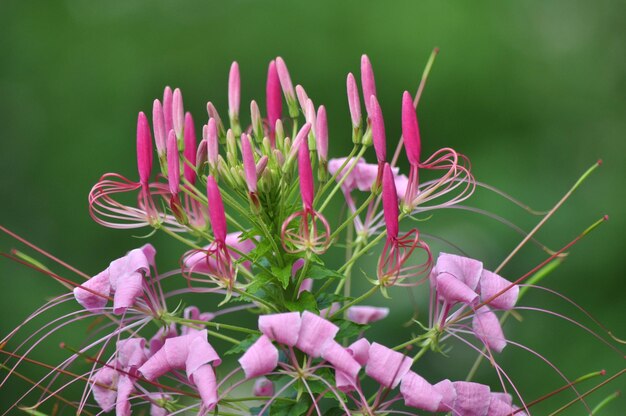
{"points": [[599, 162], [606, 217], [436, 50], [603, 372], [62, 345]]}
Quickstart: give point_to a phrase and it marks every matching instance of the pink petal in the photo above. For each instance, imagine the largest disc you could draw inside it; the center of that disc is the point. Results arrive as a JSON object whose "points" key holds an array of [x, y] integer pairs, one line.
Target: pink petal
{"points": [[105, 397], [315, 332], [87, 298], [472, 399], [419, 393], [131, 352], [124, 389], [402, 181], [302, 96], [387, 366], [410, 130], [331, 310], [366, 314], [157, 365], [353, 100], [487, 329], [200, 352], [491, 284], [463, 268], [305, 286], [448, 395], [144, 149], [360, 350], [158, 340], [189, 152], [367, 82], [260, 359], [453, 290], [349, 183], [285, 79], [390, 203], [204, 379], [281, 327], [499, 408], [263, 387], [503, 397], [129, 288], [341, 360], [365, 176]]}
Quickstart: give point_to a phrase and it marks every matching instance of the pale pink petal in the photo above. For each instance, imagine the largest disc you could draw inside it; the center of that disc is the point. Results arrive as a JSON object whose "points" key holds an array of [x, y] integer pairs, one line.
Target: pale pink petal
{"points": [[365, 176], [129, 288], [263, 387], [453, 290], [419, 393], [204, 379], [315, 332], [341, 360], [157, 365], [156, 410], [472, 399], [503, 397], [200, 352], [499, 408], [88, 298], [360, 350], [157, 341], [448, 395], [331, 310], [281, 327], [402, 181], [387, 366], [486, 327], [463, 268], [124, 389], [491, 284], [366, 314], [260, 359], [131, 352], [103, 378]]}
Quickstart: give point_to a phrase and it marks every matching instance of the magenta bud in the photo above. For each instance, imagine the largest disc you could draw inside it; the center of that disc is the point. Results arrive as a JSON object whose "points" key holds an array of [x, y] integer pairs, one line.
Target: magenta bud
{"points": [[274, 101], [390, 203], [322, 134], [310, 116], [410, 130], [144, 149], [178, 113], [212, 112], [158, 126], [353, 101], [212, 142], [167, 109], [189, 152], [304, 168], [367, 82], [302, 96], [285, 79], [234, 90], [249, 165], [217, 214], [173, 164], [378, 130], [263, 387]]}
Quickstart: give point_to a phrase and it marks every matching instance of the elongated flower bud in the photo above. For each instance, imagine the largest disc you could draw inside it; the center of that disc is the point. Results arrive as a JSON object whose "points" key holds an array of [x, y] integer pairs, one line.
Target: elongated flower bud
{"points": [[304, 170], [158, 126], [257, 122], [234, 91], [410, 130], [378, 130], [144, 149], [212, 112], [261, 165], [273, 99], [310, 116], [353, 101], [167, 109], [367, 82], [212, 142], [189, 153], [390, 202], [321, 134], [178, 113], [173, 164], [302, 96], [287, 86], [216, 210], [201, 153], [249, 165]]}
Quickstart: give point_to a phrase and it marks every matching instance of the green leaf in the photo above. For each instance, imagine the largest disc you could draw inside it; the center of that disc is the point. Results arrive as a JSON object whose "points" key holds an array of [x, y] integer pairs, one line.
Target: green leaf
{"points": [[289, 409], [348, 329], [325, 300], [243, 345], [320, 272], [306, 302], [283, 275]]}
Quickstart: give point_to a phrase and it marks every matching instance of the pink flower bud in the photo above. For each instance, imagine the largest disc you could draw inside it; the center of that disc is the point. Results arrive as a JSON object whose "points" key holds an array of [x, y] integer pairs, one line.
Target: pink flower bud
{"points": [[390, 203], [322, 133], [260, 359], [212, 142], [144, 149], [173, 164], [249, 165], [285, 79], [310, 116], [212, 112], [158, 126], [234, 90], [216, 210], [104, 387], [281, 327], [378, 129], [305, 171], [263, 387], [178, 113], [302, 96], [189, 152], [367, 82], [315, 333], [387, 366], [353, 101], [274, 101], [167, 109], [201, 153], [261, 165], [410, 130], [366, 314], [255, 115]]}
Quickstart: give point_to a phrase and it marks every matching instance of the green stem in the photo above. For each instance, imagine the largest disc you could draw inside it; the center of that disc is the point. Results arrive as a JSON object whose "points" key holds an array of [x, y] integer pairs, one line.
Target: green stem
{"points": [[215, 325], [356, 301]]}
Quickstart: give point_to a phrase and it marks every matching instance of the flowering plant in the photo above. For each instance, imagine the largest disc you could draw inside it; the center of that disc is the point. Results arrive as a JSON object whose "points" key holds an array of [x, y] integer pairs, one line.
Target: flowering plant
{"points": [[249, 204]]}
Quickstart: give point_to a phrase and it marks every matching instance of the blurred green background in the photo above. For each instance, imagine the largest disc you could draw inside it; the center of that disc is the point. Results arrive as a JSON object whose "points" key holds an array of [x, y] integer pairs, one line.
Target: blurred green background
{"points": [[533, 92]]}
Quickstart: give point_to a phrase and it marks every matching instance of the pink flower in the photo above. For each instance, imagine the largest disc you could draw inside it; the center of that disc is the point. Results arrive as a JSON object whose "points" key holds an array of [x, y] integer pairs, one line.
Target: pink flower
{"points": [[144, 149]]}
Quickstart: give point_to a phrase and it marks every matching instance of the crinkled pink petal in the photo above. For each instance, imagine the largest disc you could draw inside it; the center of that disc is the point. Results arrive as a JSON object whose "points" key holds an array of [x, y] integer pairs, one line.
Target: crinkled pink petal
{"points": [[341, 360], [360, 350], [105, 397], [204, 380], [486, 327], [387, 366], [419, 393], [491, 284], [315, 332], [503, 397], [157, 365], [131, 352], [463, 268], [135, 261], [124, 389], [326, 312], [365, 175], [448, 395], [281, 327], [263, 387], [260, 359], [99, 284], [402, 181], [306, 286], [472, 399], [200, 352], [129, 288], [349, 183], [499, 408], [366, 314], [453, 290]]}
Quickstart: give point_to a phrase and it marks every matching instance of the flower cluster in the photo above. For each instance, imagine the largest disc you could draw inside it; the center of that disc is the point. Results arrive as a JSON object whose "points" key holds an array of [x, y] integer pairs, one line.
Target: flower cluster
{"points": [[249, 203]]}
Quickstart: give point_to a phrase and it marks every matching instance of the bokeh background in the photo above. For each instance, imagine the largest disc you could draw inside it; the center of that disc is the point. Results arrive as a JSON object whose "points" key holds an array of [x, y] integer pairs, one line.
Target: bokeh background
{"points": [[533, 92]]}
